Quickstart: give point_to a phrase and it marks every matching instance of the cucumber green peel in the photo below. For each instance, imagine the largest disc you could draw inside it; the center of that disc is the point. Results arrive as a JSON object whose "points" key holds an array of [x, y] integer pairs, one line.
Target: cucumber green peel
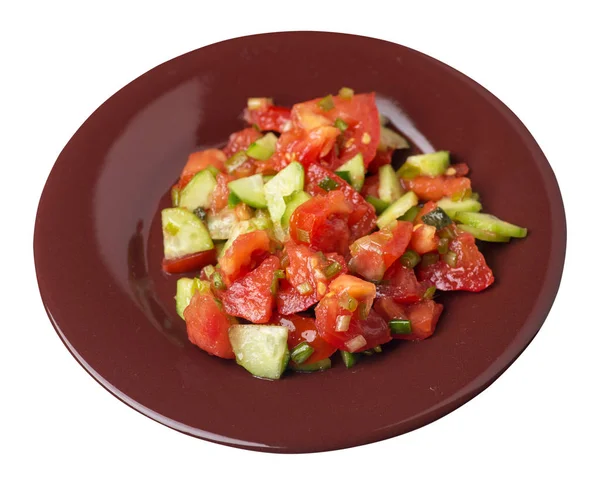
{"points": [[355, 167], [282, 185], [249, 190], [491, 223]]}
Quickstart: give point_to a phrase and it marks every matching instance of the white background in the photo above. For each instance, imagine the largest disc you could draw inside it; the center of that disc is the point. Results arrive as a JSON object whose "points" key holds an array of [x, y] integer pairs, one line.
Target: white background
{"points": [[538, 422]]}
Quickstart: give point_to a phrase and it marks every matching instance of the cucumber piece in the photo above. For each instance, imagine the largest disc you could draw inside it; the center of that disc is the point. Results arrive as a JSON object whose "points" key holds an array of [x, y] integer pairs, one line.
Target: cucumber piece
{"points": [[219, 248], [437, 218], [250, 190], [428, 164], [183, 233], [186, 288], [235, 161], [389, 139], [293, 203], [260, 349], [266, 178], [263, 148], [451, 207], [221, 224], [175, 196], [490, 223], [377, 203], [344, 175], [397, 209], [350, 359], [320, 365], [389, 185], [286, 182], [198, 192], [483, 234], [262, 220], [411, 214], [355, 167], [233, 200], [242, 227]]}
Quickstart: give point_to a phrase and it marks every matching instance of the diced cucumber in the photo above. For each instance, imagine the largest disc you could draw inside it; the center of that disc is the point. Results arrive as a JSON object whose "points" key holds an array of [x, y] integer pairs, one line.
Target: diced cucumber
{"points": [[175, 192], [221, 224], [242, 227], [219, 248], [397, 209], [428, 164], [436, 218], [483, 234], [263, 148], [186, 288], [389, 185], [320, 365], [262, 220], [344, 175], [350, 359], [379, 204], [451, 207], [260, 349], [490, 223], [198, 192], [250, 190], [293, 203], [233, 200], [389, 139], [286, 182], [235, 161], [183, 233], [266, 178], [411, 214], [355, 166]]}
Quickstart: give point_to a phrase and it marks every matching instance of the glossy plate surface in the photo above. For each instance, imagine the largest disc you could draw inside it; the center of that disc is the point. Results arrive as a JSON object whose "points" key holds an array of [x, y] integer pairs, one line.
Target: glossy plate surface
{"points": [[98, 245]]}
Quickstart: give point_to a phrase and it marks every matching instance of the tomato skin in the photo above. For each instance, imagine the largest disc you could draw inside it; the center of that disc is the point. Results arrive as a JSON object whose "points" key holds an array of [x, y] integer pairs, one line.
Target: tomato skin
{"points": [[246, 250], [461, 169], [241, 140], [371, 186], [189, 263], [362, 217], [325, 219], [382, 158], [221, 193], [208, 325], [302, 329], [400, 284], [427, 188], [250, 296], [471, 272], [269, 118], [290, 301], [424, 239], [423, 316], [373, 254], [303, 146]]}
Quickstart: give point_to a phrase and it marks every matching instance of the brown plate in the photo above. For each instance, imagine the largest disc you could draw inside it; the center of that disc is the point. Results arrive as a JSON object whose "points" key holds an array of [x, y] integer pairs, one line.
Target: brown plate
{"points": [[98, 245]]}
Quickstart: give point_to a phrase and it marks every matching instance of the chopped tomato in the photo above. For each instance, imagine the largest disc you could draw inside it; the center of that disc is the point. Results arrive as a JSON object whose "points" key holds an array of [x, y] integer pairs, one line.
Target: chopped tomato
{"points": [[302, 329], [427, 188], [304, 146], [373, 254], [428, 207], [359, 113], [244, 254], [471, 272], [400, 284], [269, 118], [208, 325], [459, 169], [362, 217], [199, 161], [220, 194], [424, 239], [423, 316], [382, 157], [371, 186], [241, 140], [251, 296], [322, 223], [189, 263]]}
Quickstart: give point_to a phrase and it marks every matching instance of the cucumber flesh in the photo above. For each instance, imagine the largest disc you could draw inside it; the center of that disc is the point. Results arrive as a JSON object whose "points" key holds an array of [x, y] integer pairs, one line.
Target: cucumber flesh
{"points": [[263, 148], [429, 164], [377, 203], [451, 207], [260, 349], [320, 365], [355, 167], [293, 203], [389, 139], [221, 224], [490, 223], [389, 185], [286, 182], [482, 234], [186, 288], [198, 192], [250, 190], [183, 233], [397, 209]]}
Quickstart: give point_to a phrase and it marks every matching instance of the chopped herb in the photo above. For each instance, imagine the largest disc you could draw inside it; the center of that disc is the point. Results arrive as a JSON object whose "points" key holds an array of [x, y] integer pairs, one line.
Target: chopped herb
{"points": [[326, 104]]}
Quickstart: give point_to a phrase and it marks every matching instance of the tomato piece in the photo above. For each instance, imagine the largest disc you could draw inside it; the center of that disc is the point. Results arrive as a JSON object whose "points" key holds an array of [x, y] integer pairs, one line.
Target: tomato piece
{"points": [[460, 169], [302, 329], [373, 254], [423, 316], [269, 118], [250, 297], [359, 113], [322, 223], [241, 140], [427, 207], [290, 301], [189, 263], [208, 325], [303, 146], [427, 188], [220, 194], [424, 239], [371, 186], [362, 217], [199, 161], [382, 157], [244, 254], [471, 272], [400, 284]]}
